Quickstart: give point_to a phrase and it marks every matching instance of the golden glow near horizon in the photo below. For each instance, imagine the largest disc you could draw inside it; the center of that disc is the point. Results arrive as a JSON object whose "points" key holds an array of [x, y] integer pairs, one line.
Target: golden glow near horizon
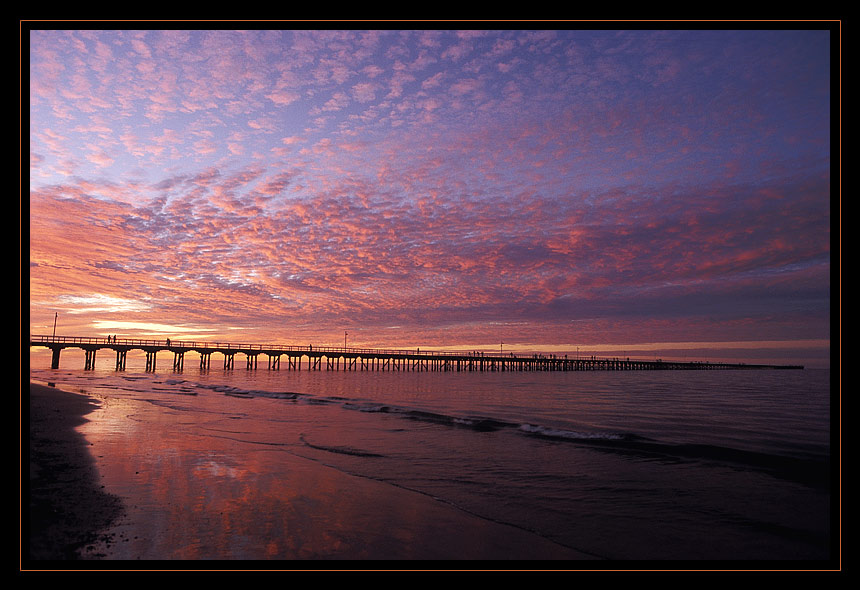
{"points": [[100, 303]]}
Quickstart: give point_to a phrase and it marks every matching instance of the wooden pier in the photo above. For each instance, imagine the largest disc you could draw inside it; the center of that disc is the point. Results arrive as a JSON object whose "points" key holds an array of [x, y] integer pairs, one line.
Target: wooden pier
{"points": [[357, 359]]}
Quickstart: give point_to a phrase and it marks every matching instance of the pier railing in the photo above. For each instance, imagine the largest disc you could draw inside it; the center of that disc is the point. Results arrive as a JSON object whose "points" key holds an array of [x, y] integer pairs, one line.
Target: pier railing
{"points": [[363, 358], [165, 343]]}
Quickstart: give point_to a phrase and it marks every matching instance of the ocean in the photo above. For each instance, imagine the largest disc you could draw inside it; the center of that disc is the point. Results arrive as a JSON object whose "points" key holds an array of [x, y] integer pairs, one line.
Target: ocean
{"points": [[693, 467]]}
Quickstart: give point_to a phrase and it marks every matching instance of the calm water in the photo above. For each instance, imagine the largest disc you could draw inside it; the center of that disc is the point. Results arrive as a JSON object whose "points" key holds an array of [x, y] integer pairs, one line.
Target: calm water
{"points": [[699, 465]]}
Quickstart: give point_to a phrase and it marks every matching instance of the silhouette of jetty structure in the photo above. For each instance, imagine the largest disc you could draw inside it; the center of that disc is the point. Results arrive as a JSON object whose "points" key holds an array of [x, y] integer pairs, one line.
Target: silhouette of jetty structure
{"points": [[332, 358]]}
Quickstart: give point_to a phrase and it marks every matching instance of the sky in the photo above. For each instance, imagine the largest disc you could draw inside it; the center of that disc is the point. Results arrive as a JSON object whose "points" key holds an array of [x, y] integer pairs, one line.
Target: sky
{"points": [[643, 192]]}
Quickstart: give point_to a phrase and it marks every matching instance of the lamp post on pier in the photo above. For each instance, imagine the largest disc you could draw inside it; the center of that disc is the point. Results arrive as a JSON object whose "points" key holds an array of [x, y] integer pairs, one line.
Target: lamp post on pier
{"points": [[54, 333]]}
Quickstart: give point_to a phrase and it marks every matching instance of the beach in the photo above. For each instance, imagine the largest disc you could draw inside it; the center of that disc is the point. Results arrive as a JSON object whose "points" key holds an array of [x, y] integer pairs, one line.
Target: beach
{"points": [[294, 470], [309, 512], [67, 506]]}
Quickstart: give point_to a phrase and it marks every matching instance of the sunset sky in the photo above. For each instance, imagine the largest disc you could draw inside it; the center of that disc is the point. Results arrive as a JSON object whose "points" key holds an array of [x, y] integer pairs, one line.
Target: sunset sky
{"points": [[630, 191]]}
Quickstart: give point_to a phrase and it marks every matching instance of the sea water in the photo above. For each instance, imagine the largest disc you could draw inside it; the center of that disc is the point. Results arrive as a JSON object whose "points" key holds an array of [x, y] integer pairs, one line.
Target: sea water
{"points": [[629, 465]]}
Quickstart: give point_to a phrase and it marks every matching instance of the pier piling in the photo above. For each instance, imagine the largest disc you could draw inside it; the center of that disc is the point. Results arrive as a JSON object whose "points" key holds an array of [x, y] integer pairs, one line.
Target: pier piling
{"points": [[355, 359]]}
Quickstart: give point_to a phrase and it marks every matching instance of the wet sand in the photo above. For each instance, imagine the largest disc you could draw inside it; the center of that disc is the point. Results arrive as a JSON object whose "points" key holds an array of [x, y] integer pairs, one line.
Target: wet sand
{"points": [[330, 515], [63, 507]]}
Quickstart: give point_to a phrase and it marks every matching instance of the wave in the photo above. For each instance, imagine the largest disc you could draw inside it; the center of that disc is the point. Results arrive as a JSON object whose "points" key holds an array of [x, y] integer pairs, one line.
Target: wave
{"points": [[481, 424], [248, 393], [811, 471], [573, 435], [340, 450]]}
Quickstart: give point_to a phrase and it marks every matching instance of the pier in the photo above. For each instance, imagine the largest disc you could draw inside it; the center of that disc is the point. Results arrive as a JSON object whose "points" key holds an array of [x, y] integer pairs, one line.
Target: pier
{"points": [[332, 358]]}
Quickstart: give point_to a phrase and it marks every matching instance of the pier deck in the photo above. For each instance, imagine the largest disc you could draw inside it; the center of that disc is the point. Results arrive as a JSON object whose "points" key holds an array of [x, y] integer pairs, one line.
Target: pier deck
{"points": [[329, 358]]}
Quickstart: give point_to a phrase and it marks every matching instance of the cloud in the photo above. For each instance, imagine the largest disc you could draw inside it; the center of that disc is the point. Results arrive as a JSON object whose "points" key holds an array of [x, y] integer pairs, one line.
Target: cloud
{"points": [[435, 179], [283, 97], [364, 92]]}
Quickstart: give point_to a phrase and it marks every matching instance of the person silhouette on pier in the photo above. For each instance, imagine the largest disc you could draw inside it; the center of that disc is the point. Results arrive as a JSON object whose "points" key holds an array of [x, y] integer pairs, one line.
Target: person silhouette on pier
{"points": [[168, 342]]}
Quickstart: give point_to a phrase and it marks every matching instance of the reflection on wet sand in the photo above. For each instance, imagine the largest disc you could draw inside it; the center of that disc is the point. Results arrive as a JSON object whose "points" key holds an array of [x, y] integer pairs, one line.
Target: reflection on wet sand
{"points": [[199, 485]]}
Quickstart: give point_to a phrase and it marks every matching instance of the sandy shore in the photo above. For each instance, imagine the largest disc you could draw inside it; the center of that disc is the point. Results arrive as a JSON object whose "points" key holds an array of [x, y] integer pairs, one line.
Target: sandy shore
{"points": [[70, 516], [63, 507]]}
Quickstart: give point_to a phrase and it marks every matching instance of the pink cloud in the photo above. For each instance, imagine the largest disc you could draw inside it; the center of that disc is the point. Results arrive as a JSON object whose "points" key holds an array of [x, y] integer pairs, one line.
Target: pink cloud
{"points": [[536, 176]]}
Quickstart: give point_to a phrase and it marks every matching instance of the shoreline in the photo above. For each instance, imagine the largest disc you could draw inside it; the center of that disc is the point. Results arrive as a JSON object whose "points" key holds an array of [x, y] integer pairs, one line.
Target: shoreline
{"points": [[63, 508], [71, 519]]}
